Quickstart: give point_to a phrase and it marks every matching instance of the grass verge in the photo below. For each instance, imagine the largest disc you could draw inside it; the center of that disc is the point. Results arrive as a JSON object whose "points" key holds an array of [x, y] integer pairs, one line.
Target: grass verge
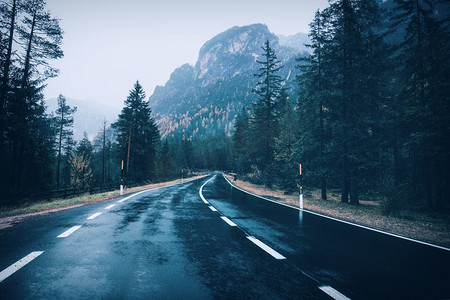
{"points": [[13, 215]]}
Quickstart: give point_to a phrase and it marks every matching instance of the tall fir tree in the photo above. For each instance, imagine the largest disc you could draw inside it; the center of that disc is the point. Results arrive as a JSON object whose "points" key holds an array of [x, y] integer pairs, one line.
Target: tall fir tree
{"points": [[64, 123], [28, 41], [284, 148], [424, 98], [314, 143], [138, 137], [264, 118]]}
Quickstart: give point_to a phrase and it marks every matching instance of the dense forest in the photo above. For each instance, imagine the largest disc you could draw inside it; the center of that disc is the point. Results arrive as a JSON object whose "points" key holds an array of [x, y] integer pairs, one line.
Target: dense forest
{"points": [[370, 114]]}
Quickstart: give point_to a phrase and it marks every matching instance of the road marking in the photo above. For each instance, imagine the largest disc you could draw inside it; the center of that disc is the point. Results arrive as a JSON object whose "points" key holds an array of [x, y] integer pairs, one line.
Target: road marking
{"points": [[212, 208], [110, 206], [19, 264], [266, 248], [94, 216], [229, 222], [125, 199], [341, 221], [200, 192], [333, 293], [69, 231]]}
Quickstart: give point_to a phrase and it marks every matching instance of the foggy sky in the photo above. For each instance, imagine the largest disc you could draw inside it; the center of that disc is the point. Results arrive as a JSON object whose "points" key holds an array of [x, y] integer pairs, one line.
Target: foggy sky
{"points": [[109, 44]]}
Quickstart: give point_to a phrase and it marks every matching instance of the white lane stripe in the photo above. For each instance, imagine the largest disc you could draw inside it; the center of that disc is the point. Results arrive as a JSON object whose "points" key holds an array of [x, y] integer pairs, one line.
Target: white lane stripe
{"points": [[138, 193], [19, 264], [333, 293], [229, 222], [212, 208], [266, 248], [200, 192], [161, 187], [337, 220], [69, 231], [94, 216], [110, 206]]}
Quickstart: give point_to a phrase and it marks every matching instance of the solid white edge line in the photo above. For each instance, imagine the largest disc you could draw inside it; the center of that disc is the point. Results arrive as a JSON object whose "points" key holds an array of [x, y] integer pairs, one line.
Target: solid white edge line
{"points": [[160, 187], [200, 192], [229, 222], [110, 206], [212, 208], [135, 194], [69, 231], [342, 221], [19, 264], [333, 293], [94, 216], [266, 248]]}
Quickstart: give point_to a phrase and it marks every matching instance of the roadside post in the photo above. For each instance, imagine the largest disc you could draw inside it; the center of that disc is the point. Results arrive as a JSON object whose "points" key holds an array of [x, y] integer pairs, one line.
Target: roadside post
{"points": [[121, 179], [300, 194], [300, 188]]}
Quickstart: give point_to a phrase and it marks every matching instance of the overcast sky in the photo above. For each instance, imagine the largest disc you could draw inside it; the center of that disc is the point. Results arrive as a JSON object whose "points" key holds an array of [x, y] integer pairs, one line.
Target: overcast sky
{"points": [[109, 44]]}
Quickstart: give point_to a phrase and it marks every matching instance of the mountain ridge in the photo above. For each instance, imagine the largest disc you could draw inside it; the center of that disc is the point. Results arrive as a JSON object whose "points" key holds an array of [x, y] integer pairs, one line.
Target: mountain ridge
{"points": [[201, 100]]}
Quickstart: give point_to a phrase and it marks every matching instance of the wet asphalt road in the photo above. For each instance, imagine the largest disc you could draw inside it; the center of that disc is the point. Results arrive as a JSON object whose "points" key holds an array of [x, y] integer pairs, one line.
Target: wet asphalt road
{"points": [[167, 243]]}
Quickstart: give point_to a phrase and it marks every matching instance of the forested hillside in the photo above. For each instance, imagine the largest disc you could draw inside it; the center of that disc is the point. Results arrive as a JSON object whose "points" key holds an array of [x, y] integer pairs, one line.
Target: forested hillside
{"points": [[372, 112], [363, 106], [200, 100]]}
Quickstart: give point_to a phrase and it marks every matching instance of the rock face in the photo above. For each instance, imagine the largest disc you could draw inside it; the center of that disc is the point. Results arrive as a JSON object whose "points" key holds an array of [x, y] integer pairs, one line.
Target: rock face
{"points": [[202, 100]]}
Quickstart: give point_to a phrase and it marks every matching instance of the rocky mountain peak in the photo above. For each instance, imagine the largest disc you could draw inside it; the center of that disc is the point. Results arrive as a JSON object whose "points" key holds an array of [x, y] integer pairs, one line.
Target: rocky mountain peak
{"points": [[202, 100], [233, 50]]}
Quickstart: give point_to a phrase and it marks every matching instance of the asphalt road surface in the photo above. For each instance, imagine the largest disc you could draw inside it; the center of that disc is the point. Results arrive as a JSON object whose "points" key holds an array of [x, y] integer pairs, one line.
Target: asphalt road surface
{"points": [[178, 243]]}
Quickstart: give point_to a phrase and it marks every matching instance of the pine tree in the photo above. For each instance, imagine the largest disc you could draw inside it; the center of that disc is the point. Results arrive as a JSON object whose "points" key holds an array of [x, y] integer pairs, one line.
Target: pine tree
{"points": [[43, 37], [138, 137], [264, 118], [424, 98], [64, 123], [28, 41], [314, 83], [285, 161]]}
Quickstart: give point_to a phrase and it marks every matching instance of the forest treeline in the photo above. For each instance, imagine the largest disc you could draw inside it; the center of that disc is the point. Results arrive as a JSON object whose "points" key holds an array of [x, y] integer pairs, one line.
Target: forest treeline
{"points": [[371, 114], [372, 111], [37, 151]]}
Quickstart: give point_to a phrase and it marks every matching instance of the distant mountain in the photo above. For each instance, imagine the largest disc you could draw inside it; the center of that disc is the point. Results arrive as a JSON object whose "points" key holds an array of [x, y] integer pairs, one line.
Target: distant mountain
{"points": [[296, 42], [200, 100], [89, 116]]}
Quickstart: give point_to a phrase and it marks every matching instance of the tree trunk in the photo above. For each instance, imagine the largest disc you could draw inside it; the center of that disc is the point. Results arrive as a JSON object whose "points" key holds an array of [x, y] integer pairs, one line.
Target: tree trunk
{"points": [[345, 182], [324, 187], [8, 53], [58, 168], [354, 200], [26, 70]]}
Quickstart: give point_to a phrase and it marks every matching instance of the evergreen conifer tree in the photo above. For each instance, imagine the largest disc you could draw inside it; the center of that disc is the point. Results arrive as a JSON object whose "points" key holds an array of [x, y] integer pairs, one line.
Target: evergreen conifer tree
{"points": [[137, 137], [264, 118]]}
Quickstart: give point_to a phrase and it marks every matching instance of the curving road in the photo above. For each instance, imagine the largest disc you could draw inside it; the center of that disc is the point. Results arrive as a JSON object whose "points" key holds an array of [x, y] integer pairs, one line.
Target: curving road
{"points": [[178, 243]]}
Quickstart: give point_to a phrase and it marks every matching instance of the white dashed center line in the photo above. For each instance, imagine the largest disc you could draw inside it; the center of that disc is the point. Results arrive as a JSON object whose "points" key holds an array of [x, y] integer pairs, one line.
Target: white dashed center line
{"points": [[94, 216], [19, 264], [212, 208], [333, 293], [229, 222], [69, 231], [266, 248], [110, 206]]}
